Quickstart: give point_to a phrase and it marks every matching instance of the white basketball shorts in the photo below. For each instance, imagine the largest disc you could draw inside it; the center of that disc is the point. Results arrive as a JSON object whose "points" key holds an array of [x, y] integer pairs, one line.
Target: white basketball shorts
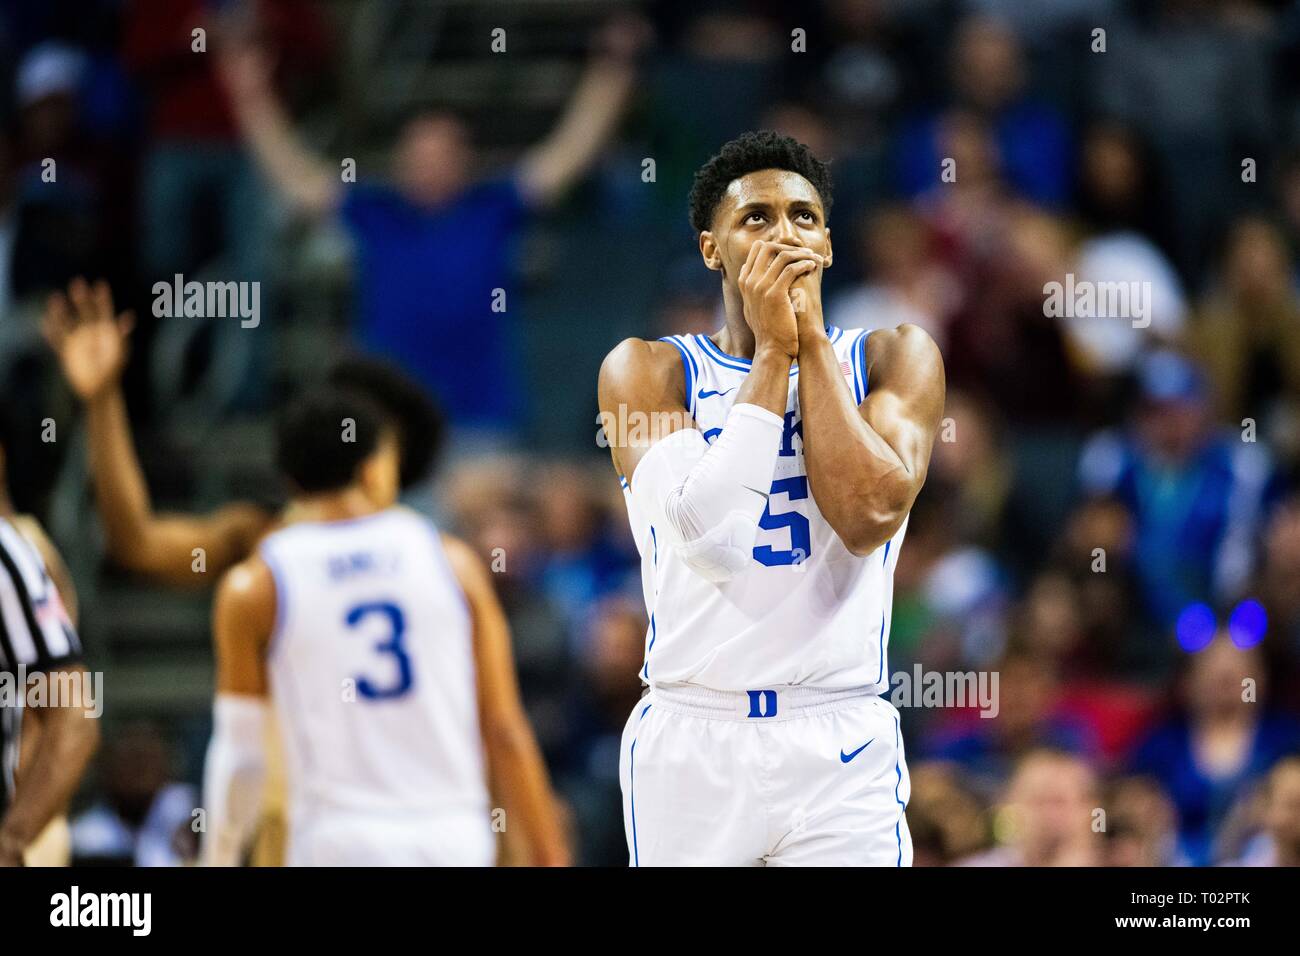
{"points": [[350, 838], [790, 776]]}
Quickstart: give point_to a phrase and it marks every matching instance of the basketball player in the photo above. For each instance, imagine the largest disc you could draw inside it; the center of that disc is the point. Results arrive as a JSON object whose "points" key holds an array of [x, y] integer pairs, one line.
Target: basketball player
{"points": [[91, 341], [768, 488], [387, 657]]}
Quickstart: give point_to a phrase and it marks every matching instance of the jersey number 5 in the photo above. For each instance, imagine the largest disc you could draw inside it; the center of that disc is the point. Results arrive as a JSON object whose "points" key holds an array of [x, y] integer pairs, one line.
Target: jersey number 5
{"points": [[392, 645], [796, 489]]}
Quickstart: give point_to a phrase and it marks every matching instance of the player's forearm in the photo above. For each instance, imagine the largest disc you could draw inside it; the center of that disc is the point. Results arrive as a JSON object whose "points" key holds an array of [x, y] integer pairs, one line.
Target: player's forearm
{"points": [[861, 484], [68, 737], [121, 493], [281, 155], [233, 774], [516, 764]]}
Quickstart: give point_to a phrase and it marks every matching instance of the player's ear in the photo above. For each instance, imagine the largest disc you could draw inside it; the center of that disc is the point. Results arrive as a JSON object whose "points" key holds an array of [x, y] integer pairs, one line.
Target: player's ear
{"points": [[830, 253], [709, 251]]}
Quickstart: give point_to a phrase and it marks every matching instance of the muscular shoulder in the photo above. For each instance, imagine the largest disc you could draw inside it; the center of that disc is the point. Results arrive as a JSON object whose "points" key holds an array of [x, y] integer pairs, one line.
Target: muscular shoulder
{"points": [[637, 372], [465, 564], [904, 357], [246, 595]]}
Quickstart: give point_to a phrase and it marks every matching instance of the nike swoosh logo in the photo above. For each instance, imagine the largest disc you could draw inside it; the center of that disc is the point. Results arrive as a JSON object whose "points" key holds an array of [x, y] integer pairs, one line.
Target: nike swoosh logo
{"points": [[845, 758], [704, 394], [764, 496]]}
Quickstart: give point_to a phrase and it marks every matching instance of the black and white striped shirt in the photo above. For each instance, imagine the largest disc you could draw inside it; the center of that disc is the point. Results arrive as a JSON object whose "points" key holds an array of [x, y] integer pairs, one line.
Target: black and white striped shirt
{"points": [[35, 635]]}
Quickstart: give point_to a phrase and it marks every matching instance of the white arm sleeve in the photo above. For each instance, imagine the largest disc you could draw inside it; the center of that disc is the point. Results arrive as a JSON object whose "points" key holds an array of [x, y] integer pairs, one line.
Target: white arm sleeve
{"points": [[233, 777], [707, 500]]}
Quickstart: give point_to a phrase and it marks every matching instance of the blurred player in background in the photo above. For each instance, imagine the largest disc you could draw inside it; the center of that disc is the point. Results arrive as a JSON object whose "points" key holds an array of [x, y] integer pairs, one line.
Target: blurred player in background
{"points": [[768, 504], [44, 749], [387, 657], [91, 341]]}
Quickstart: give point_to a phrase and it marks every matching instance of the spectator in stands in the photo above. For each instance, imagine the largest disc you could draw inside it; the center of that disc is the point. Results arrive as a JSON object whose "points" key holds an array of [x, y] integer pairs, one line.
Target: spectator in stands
{"points": [[1197, 85], [1028, 718], [904, 281], [1279, 844], [145, 817], [1247, 332], [435, 248], [947, 820], [1141, 825], [1197, 497], [1046, 815], [988, 80], [1117, 196], [1218, 745]]}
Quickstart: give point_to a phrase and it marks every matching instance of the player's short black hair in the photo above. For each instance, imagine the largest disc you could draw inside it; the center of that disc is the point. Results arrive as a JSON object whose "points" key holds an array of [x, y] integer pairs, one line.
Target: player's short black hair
{"points": [[324, 435], [748, 153], [417, 421]]}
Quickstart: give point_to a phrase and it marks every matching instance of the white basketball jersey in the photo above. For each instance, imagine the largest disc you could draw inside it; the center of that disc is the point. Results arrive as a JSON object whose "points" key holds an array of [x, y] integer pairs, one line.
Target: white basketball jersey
{"points": [[806, 610], [372, 669]]}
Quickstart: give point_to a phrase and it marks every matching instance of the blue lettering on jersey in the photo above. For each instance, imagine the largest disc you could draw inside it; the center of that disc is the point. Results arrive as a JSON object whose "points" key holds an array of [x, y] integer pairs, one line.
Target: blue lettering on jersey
{"points": [[793, 427], [800, 550], [392, 645]]}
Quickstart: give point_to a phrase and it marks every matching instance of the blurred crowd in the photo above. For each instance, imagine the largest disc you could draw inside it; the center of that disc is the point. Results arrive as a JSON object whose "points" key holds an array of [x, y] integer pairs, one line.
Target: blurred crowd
{"points": [[1112, 517]]}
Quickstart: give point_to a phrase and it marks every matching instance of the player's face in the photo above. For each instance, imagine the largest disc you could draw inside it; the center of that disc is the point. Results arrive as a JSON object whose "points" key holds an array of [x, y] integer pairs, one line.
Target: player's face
{"points": [[773, 205]]}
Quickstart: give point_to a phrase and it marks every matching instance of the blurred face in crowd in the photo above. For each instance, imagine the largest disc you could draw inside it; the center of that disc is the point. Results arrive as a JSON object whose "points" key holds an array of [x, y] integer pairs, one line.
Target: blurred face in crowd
{"points": [[1173, 429], [1257, 265], [1214, 683], [771, 205], [618, 645], [1282, 816], [1139, 825], [1112, 169], [987, 70], [433, 159], [895, 245], [1051, 799]]}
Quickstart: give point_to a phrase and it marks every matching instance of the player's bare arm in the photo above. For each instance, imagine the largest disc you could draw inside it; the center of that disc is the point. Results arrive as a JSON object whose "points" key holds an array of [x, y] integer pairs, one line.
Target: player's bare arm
{"points": [[243, 619], [866, 464], [91, 340], [515, 763], [65, 738]]}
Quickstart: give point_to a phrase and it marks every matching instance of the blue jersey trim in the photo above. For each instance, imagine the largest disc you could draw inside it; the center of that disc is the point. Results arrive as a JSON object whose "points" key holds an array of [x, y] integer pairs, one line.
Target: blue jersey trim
{"points": [[636, 852], [898, 770], [688, 366], [884, 616], [862, 362], [853, 362]]}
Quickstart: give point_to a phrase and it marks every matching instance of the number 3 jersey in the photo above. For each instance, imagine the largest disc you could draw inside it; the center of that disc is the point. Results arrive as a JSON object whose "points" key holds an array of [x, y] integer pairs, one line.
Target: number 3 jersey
{"points": [[806, 610], [372, 669]]}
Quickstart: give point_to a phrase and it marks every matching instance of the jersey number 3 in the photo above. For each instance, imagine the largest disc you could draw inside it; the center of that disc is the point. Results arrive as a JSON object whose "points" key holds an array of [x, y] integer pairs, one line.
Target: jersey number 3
{"points": [[390, 646], [796, 489]]}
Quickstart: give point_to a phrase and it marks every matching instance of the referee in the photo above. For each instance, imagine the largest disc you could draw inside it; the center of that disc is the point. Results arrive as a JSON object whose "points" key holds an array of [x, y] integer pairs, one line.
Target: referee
{"points": [[46, 739]]}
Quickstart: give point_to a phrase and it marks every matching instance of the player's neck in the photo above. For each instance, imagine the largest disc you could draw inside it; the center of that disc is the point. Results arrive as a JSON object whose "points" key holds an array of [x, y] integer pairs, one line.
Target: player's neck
{"points": [[333, 506], [736, 338]]}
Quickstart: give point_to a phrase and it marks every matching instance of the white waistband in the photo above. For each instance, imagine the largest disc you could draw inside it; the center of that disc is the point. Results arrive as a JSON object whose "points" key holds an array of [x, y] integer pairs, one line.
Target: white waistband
{"points": [[771, 703]]}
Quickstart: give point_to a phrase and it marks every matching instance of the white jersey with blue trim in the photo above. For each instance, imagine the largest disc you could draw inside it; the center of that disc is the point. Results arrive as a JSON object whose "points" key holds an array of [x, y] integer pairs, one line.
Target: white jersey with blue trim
{"points": [[372, 670], [806, 611]]}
